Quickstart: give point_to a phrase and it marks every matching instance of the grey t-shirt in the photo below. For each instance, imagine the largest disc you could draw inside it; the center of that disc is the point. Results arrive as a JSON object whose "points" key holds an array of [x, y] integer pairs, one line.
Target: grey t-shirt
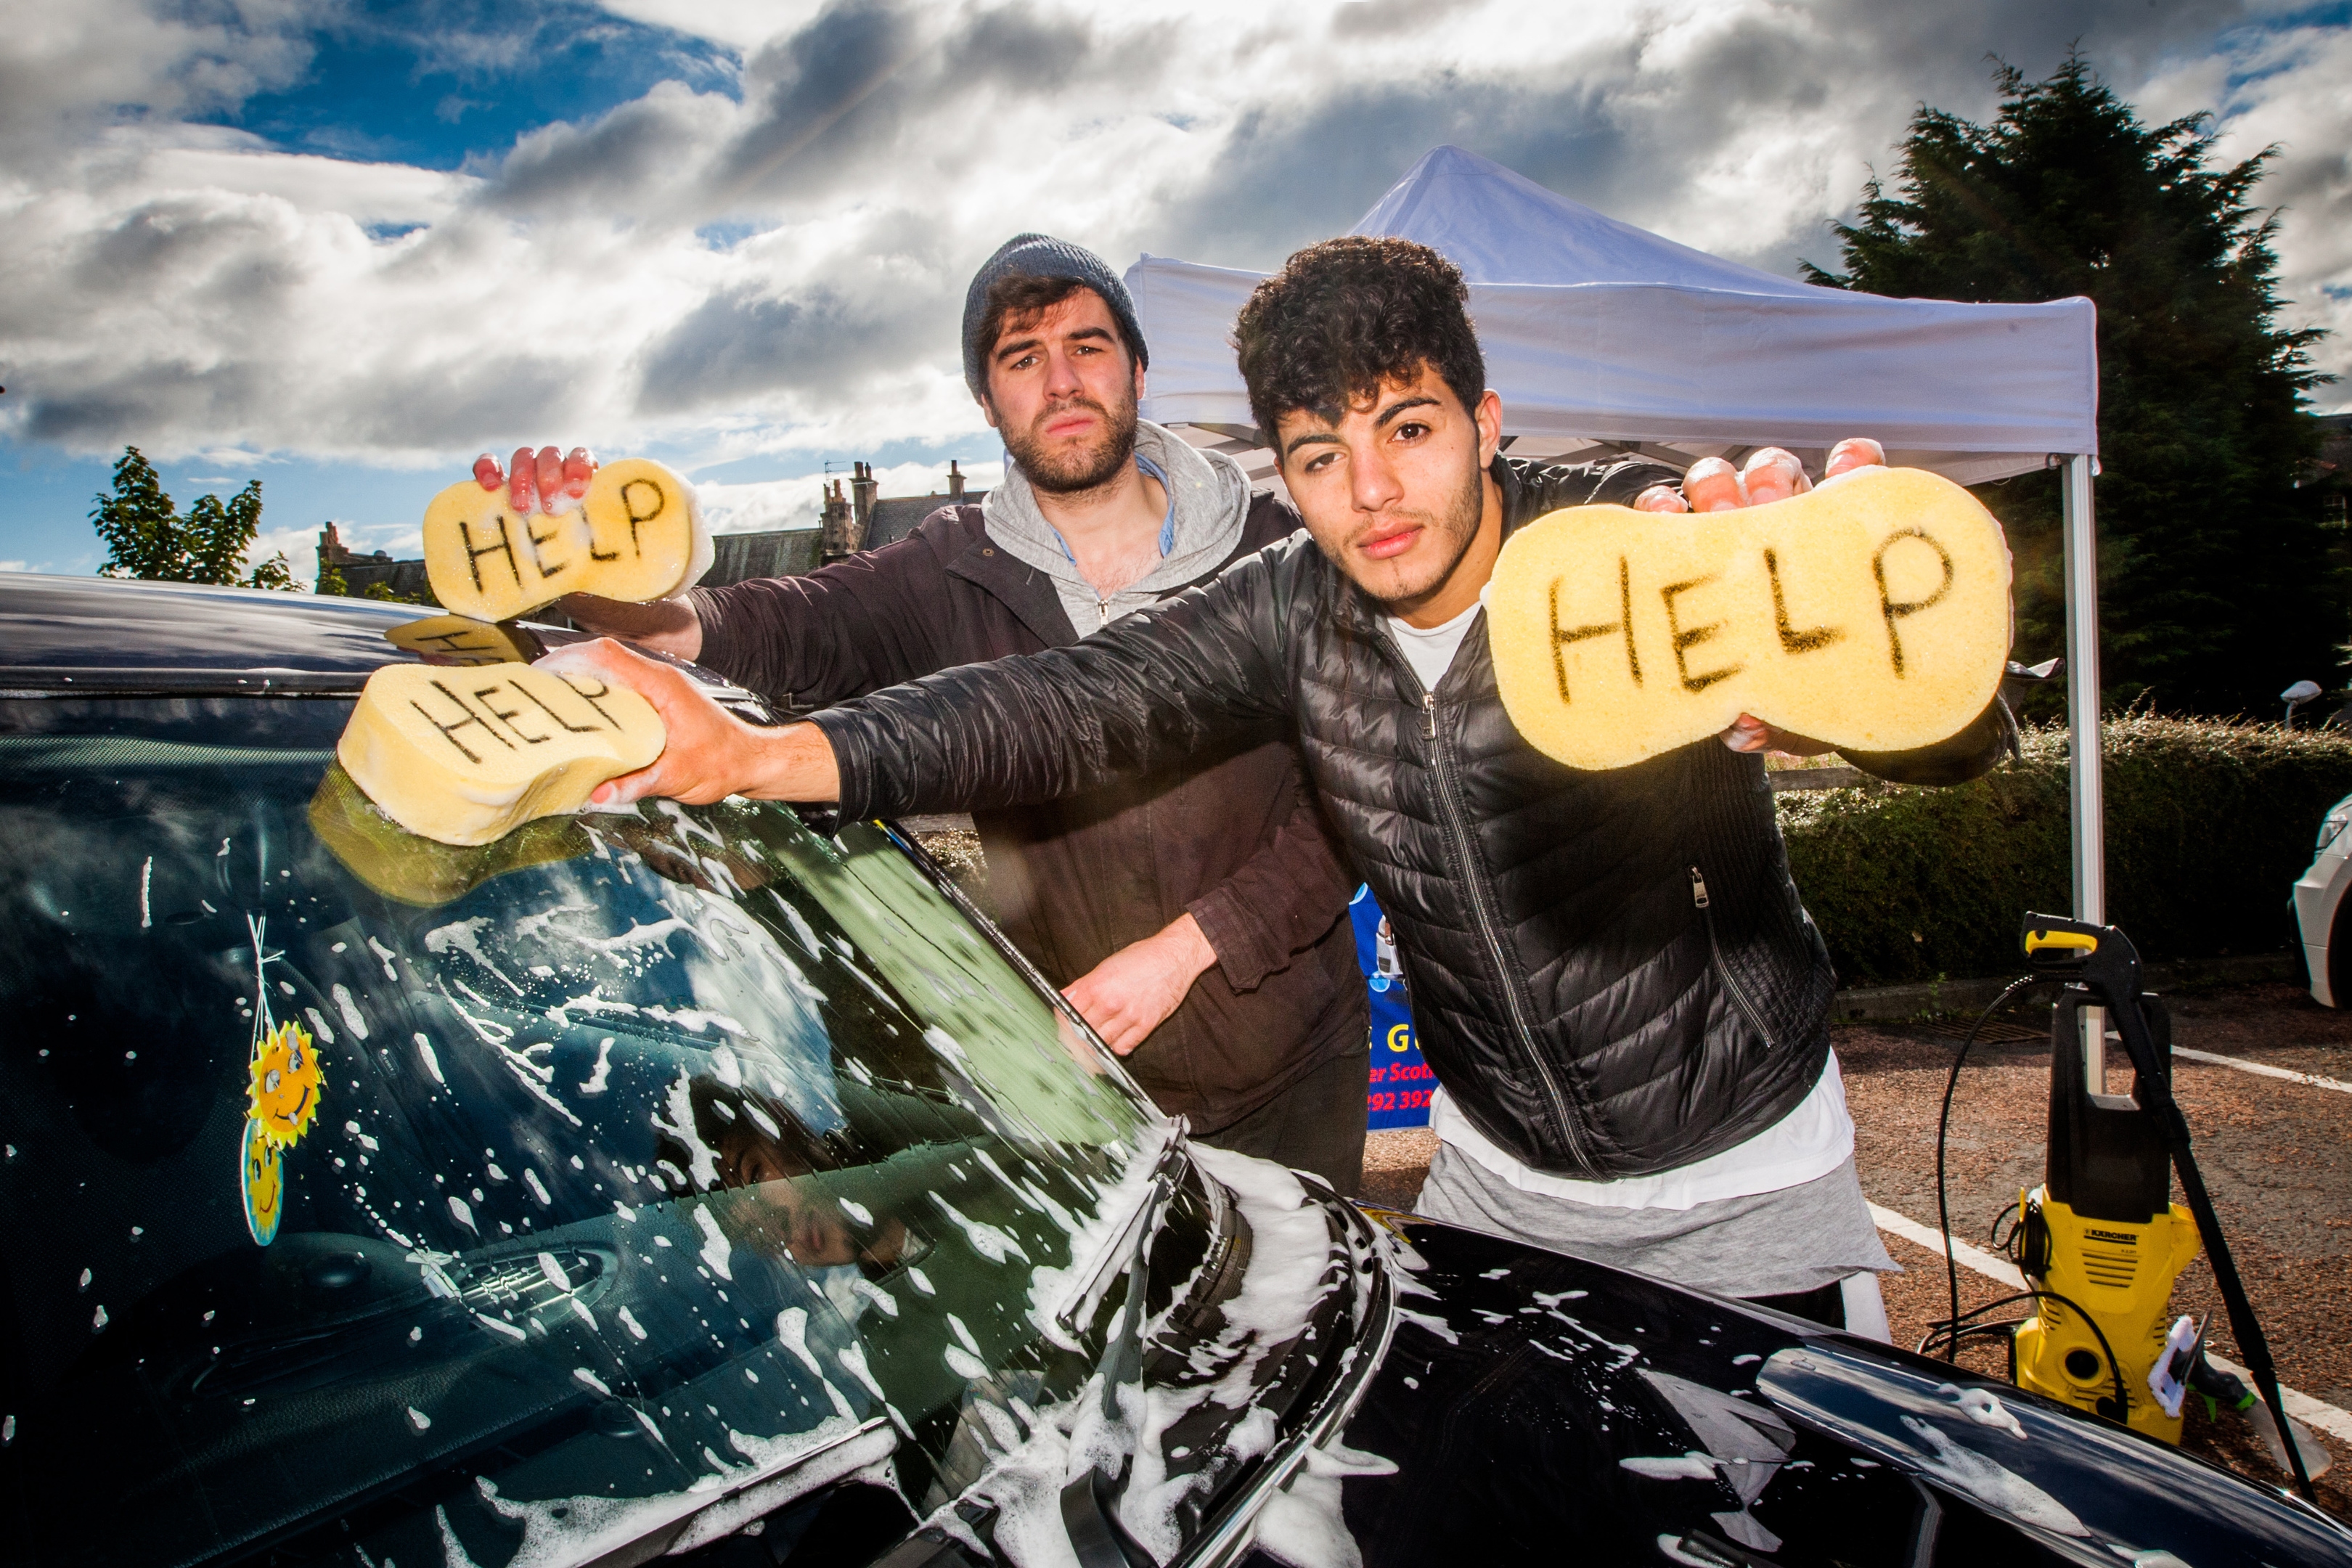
{"points": [[1768, 1244]]}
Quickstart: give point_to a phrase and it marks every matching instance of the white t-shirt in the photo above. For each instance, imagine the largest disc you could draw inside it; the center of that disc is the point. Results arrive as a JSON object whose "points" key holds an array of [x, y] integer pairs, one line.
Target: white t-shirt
{"points": [[1805, 1146], [1431, 653], [1808, 1144]]}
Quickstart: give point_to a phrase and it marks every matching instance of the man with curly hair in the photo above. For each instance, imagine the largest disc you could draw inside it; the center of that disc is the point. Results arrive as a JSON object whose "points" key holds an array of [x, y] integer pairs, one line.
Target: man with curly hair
{"points": [[1613, 977]]}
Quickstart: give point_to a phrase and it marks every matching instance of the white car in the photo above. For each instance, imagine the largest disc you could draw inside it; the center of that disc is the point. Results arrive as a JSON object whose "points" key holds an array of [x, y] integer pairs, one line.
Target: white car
{"points": [[2317, 898]]}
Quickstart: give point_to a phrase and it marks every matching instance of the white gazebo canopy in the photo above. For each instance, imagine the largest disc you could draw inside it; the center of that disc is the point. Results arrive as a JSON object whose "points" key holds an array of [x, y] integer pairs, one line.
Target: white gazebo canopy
{"points": [[1600, 336], [1597, 332]]}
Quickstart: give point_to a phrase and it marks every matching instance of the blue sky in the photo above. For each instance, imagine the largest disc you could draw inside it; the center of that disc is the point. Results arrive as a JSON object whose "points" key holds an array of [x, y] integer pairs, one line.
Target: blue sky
{"points": [[341, 247], [399, 84]]}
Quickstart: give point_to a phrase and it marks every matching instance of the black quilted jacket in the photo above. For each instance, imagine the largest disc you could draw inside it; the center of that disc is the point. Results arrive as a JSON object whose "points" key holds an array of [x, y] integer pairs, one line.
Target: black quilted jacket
{"points": [[1611, 972]]}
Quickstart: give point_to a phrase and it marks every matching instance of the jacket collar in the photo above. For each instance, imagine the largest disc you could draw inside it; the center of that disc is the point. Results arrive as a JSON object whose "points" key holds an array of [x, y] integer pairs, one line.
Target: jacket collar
{"points": [[1030, 594], [1507, 475]]}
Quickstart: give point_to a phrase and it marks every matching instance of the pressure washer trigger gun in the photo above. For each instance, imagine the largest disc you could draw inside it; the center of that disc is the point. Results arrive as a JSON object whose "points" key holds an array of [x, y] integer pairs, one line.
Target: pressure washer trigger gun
{"points": [[2100, 958]]}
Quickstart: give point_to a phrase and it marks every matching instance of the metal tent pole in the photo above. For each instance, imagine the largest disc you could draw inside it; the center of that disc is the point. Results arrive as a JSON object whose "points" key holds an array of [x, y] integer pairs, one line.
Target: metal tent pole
{"points": [[2085, 794]]}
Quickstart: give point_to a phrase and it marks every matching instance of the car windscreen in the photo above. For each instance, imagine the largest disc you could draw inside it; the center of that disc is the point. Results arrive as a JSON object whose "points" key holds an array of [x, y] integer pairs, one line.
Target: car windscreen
{"points": [[499, 1204]]}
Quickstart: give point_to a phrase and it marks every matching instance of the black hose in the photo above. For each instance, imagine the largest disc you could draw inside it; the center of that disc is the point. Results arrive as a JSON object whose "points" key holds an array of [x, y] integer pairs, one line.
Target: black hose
{"points": [[1952, 1329], [1943, 1125]]}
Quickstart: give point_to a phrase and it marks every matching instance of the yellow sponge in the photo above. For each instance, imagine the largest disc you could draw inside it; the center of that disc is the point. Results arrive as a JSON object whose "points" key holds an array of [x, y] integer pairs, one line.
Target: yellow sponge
{"points": [[462, 640], [462, 756], [1872, 613], [637, 535]]}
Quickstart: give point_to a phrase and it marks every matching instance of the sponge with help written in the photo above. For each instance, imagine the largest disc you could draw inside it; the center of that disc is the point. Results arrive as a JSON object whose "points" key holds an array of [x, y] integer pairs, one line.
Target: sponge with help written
{"points": [[464, 756], [1872, 614], [637, 535]]}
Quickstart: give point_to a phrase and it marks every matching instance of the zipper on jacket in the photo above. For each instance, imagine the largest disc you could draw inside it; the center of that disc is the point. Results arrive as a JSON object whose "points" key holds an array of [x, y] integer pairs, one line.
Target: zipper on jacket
{"points": [[1453, 820], [1723, 970]]}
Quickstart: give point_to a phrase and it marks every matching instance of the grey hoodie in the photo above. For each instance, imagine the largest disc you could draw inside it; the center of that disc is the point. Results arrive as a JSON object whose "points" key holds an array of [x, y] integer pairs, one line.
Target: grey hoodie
{"points": [[1208, 498]]}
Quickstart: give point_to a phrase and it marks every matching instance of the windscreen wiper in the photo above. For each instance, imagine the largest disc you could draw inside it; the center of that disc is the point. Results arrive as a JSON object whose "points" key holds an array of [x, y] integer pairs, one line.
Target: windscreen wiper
{"points": [[1090, 1501], [1090, 1282]]}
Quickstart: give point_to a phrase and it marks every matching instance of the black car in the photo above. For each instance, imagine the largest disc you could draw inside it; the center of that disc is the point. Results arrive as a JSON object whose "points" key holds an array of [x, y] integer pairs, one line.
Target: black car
{"points": [[715, 1182]]}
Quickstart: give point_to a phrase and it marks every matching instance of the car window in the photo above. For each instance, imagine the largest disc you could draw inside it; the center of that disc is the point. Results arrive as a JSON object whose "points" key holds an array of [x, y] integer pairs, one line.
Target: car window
{"points": [[498, 1204]]}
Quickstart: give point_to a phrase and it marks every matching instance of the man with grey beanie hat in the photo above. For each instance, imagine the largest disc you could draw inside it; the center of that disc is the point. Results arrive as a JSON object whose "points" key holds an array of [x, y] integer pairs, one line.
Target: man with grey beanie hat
{"points": [[1042, 257], [1193, 917]]}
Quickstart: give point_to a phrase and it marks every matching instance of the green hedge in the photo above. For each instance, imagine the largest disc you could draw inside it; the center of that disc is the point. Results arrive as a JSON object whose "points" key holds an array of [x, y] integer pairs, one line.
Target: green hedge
{"points": [[2208, 825]]}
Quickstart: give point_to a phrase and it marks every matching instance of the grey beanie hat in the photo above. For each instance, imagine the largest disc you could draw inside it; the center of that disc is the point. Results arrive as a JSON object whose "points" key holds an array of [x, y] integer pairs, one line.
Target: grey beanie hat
{"points": [[1042, 256]]}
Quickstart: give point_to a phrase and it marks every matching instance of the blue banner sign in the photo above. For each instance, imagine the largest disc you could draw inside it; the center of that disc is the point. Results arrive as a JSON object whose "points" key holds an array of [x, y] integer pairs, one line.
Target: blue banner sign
{"points": [[1401, 1081]]}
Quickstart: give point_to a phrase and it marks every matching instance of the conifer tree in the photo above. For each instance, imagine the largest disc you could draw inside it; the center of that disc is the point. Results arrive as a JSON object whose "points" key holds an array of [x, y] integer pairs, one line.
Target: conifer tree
{"points": [[2217, 578]]}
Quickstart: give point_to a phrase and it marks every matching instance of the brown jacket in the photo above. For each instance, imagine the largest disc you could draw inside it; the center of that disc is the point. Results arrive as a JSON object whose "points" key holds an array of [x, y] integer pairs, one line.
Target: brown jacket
{"points": [[1234, 835]]}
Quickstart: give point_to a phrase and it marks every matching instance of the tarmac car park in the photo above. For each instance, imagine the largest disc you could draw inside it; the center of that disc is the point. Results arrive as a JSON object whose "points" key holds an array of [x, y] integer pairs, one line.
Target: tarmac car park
{"points": [[716, 1182]]}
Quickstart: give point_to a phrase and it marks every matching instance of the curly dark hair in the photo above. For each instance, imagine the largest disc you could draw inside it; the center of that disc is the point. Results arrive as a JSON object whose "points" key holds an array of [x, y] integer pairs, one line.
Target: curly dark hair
{"points": [[1344, 316]]}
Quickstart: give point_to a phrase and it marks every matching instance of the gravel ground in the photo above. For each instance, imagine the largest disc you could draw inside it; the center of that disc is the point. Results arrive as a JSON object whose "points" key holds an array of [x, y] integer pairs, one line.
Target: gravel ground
{"points": [[1394, 1164], [2276, 1155]]}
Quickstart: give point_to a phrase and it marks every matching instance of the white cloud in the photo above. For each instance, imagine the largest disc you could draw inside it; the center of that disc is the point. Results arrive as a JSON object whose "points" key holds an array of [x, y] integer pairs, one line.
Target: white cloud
{"points": [[742, 24], [298, 545], [783, 272], [68, 71], [2287, 89], [15, 566]]}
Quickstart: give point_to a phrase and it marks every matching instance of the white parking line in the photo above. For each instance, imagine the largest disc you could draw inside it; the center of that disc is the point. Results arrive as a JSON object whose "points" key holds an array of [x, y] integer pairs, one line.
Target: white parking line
{"points": [[2313, 1413], [1972, 1258], [2264, 1068]]}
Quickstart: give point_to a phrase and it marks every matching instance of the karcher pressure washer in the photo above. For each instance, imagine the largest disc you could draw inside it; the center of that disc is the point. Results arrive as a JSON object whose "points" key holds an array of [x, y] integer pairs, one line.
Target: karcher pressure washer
{"points": [[2101, 1238], [2100, 1242]]}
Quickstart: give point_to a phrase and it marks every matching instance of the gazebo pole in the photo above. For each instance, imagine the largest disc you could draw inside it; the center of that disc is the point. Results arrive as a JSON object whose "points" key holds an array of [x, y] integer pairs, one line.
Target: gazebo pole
{"points": [[2086, 795]]}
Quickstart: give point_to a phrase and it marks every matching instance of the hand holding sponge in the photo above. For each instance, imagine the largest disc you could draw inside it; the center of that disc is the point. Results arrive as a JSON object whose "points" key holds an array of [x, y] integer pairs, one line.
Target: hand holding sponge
{"points": [[637, 535], [464, 756], [1872, 613], [472, 744]]}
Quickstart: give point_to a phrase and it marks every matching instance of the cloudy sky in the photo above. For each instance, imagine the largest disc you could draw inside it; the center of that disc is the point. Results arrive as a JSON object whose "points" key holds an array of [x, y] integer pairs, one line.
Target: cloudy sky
{"points": [[343, 247]]}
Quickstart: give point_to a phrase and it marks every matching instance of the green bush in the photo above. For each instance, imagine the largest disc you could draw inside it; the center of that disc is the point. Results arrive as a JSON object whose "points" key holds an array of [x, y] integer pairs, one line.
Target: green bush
{"points": [[2208, 825]]}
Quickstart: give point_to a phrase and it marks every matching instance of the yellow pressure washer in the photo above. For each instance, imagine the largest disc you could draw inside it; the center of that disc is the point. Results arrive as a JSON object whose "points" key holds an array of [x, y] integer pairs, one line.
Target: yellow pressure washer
{"points": [[2100, 1241], [2101, 1238]]}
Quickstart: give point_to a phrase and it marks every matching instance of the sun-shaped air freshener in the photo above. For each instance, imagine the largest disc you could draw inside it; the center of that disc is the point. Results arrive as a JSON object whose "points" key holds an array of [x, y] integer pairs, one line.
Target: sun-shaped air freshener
{"points": [[285, 1085], [261, 1171]]}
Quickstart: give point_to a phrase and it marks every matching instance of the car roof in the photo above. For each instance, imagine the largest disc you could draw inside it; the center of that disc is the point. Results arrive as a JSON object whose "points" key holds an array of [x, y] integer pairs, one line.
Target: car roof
{"points": [[99, 623], [101, 634]]}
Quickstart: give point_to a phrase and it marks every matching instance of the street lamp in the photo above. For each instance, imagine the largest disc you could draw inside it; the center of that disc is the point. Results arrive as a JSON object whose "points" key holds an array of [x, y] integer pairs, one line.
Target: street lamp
{"points": [[2295, 696]]}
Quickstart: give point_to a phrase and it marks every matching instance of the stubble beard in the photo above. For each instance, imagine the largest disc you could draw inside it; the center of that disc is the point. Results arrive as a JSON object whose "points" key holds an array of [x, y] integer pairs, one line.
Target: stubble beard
{"points": [[1073, 470], [1457, 527]]}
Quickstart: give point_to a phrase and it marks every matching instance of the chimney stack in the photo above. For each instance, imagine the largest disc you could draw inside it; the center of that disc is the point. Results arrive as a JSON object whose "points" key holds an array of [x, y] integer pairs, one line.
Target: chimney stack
{"points": [[835, 536], [332, 552], [955, 484], [863, 488]]}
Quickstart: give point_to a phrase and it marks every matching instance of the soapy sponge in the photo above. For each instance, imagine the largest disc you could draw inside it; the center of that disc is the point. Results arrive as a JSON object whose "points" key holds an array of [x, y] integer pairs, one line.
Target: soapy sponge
{"points": [[463, 756], [1872, 613], [637, 535], [462, 640]]}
